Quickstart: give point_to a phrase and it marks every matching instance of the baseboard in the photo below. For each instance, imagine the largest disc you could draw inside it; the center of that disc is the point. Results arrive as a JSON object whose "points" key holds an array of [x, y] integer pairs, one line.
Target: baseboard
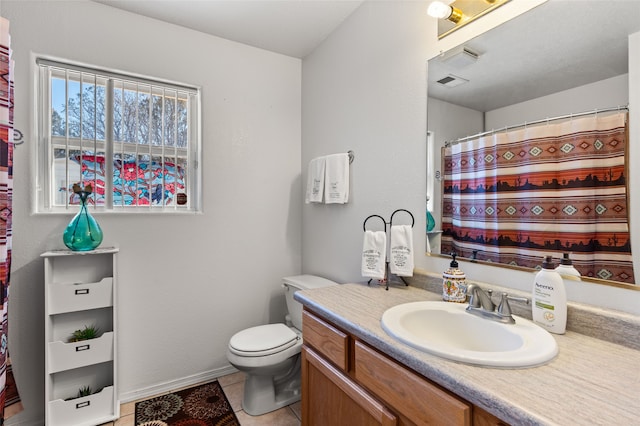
{"points": [[12, 421], [172, 385]]}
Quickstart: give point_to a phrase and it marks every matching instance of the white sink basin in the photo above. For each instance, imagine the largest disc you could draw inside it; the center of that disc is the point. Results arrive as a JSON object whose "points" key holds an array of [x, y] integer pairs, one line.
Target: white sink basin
{"points": [[447, 330]]}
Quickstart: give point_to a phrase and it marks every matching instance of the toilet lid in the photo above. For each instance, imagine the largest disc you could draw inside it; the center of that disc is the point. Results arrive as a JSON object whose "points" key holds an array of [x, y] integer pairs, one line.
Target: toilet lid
{"points": [[262, 340]]}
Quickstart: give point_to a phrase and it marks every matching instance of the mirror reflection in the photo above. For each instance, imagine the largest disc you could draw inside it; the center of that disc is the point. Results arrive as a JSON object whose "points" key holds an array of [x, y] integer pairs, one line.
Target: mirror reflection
{"points": [[547, 97]]}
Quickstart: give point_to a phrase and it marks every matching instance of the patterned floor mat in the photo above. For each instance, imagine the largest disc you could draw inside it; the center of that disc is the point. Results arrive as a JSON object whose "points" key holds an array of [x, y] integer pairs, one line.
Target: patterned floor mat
{"points": [[204, 405]]}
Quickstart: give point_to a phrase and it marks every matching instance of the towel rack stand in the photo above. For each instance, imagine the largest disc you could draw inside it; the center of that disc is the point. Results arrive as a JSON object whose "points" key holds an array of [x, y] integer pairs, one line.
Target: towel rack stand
{"points": [[364, 224], [390, 223]]}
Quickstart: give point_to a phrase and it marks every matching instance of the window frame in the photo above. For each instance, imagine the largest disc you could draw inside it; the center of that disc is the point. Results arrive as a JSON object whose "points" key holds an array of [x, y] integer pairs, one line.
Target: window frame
{"points": [[44, 196]]}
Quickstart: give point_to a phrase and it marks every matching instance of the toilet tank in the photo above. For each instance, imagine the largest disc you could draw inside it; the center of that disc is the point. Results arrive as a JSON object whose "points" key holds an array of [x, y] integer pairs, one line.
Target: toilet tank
{"points": [[301, 282]]}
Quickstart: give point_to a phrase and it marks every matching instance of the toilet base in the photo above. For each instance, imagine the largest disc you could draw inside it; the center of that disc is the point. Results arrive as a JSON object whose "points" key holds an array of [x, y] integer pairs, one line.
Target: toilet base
{"points": [[263, 394]]}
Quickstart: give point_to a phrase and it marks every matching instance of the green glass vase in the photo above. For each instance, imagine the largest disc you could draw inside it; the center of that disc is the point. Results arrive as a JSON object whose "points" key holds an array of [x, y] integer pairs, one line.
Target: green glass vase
{"points": [[431, 223], [83, 232]]}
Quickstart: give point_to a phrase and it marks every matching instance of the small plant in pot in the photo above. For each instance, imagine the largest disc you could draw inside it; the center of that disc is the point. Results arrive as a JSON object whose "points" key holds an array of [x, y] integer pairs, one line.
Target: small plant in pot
{"points": [[82, 392], [87, 333]]}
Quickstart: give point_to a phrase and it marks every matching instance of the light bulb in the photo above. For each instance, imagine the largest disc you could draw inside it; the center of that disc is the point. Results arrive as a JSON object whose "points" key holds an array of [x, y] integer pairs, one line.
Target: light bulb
{"points": [[439, 10]]}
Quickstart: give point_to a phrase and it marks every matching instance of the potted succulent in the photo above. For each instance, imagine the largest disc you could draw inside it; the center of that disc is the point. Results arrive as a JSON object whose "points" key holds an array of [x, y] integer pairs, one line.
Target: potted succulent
{"points": [[87, 333], [82, 392]]}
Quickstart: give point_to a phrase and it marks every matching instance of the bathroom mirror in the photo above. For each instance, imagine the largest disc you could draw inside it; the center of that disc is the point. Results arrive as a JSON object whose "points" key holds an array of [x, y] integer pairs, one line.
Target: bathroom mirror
{"points": [[560, 58]]}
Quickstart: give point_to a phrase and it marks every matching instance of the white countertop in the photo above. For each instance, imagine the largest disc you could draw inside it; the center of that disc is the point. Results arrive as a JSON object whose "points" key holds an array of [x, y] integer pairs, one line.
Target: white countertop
{"points": [[591, 381]]}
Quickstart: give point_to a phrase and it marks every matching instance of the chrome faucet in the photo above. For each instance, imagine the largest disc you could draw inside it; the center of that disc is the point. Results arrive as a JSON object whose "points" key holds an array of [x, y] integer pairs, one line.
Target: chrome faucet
{"points": [[480, 304]]}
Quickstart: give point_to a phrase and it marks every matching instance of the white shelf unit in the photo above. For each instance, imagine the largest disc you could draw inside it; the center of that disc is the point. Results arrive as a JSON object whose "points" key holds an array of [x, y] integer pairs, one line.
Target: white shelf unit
{"points": [[80, 291]]}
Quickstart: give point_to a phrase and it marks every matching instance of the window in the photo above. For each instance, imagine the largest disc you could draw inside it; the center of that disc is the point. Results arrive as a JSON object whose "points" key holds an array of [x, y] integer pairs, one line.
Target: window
{"points": [[134, 139]]}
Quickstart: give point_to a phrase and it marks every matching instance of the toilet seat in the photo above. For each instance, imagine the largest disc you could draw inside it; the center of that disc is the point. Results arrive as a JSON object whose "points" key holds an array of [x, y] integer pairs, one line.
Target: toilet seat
{"points": [[263, 340]]}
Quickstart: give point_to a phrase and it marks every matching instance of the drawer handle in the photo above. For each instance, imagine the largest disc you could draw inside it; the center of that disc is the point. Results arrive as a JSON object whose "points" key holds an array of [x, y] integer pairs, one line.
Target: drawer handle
{"points": [[82, 291], [83, 404], [83, 348]]}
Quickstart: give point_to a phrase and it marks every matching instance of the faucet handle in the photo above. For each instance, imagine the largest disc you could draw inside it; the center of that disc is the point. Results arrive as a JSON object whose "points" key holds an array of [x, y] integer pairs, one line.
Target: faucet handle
{"points": [[504, 308]]}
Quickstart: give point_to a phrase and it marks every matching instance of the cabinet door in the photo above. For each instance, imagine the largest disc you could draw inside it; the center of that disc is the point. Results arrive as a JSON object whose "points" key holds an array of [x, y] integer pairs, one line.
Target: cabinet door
{"points": [[421, 401], [483, 418], [330, 398]]}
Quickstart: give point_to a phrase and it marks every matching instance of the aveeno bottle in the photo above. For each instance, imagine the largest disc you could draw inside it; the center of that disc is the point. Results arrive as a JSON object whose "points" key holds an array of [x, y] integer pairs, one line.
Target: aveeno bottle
{"points": [[567, 269], [549, 299]]}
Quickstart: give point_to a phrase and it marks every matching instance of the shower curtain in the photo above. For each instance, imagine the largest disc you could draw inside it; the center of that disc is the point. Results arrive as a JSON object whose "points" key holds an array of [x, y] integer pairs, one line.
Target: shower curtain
{"points": [[9, 398], [513, 197]]}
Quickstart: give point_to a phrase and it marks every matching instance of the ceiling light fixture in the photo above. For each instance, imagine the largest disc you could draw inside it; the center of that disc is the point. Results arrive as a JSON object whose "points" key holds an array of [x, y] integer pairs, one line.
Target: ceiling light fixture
{"points": [[454, 14], [439, 10]]}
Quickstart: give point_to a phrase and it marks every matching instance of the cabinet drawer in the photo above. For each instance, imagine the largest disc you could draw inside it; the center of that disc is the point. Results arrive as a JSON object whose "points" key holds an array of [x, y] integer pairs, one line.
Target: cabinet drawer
{"points": [[410, 394], [64, 356], [78, 297], [92, 409], [326, 339], [337, 400]]}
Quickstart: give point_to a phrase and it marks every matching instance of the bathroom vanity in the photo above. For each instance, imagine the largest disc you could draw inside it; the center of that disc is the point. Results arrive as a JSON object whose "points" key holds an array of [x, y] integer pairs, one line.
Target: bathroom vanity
{"points": [[354, 373], [346, 380]]}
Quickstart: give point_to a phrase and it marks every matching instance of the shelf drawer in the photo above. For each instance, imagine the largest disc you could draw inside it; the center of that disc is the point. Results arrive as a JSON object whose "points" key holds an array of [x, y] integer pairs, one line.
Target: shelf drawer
{"points": [[326, 339], [92, 409], [79, 297], [65, 356]]}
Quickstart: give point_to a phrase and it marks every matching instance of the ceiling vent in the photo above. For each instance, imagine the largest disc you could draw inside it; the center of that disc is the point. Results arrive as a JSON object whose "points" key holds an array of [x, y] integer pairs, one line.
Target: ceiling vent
{"points": [[459, 57], [452, 81]]}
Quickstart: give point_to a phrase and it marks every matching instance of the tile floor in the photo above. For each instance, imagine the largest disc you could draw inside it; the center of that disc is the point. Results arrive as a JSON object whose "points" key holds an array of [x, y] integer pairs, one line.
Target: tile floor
{"points": [[233, 387]]}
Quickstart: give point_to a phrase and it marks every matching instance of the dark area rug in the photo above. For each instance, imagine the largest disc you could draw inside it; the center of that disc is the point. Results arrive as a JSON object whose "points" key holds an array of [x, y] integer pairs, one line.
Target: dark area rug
{"points": [[203, 405]]}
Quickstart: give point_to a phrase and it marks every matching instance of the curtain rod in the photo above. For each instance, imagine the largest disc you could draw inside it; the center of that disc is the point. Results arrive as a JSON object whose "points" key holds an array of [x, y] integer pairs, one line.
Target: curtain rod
{"points": [[545, 120]]}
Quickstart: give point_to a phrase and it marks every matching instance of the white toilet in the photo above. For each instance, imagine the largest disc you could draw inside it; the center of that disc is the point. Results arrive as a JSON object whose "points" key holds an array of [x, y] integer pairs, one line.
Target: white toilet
{"points": [[270, 354]]}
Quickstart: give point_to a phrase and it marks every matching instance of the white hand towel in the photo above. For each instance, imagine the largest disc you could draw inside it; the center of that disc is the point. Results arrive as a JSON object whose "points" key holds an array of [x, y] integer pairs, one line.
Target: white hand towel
{"points": [[401, 251], [315, 180], [374, 252], [336, 179]]}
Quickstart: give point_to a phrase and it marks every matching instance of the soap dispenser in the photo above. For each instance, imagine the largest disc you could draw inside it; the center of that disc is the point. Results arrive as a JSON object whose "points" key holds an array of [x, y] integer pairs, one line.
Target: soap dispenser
{"points": [[454, 285], [549, 299], [567, 269]]}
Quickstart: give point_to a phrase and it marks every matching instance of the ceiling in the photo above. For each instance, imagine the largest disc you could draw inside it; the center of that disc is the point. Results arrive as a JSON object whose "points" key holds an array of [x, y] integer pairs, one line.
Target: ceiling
{"points": [[290, 27], [559, 45]]}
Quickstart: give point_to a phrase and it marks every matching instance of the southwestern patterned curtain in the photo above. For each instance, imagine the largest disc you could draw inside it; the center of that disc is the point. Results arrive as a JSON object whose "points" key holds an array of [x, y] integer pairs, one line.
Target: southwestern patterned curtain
{"points": [[516, 196], [9, 398]]}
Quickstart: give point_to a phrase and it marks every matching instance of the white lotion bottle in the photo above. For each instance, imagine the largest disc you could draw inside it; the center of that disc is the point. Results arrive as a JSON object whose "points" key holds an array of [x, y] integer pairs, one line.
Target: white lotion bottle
{"points": [[567, 269], [549, 299]]}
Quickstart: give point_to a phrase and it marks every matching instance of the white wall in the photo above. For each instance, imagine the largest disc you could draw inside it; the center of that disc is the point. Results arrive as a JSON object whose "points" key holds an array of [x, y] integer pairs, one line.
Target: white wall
{"points": [[612, 92], [187, 283], [364, 89]]}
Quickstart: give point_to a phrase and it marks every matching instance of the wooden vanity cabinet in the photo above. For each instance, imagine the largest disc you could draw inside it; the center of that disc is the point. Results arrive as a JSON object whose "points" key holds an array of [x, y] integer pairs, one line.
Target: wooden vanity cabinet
{"points": [[347, 382], [330, 397]]}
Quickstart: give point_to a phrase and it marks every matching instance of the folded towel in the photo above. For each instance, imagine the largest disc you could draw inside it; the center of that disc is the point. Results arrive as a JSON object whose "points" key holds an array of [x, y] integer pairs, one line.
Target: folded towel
{"points": [[315, 180], [374, 252], [336, 179], [401, 251]]}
